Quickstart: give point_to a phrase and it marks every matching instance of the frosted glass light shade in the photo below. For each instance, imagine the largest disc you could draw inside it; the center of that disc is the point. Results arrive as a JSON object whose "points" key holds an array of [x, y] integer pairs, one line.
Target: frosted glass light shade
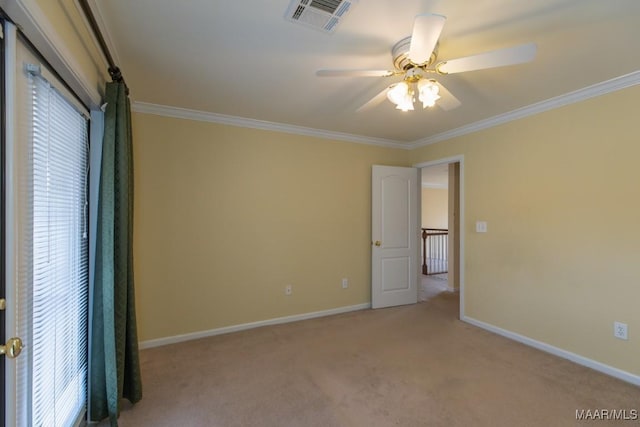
{"points": [[398, 92], [428, 92]]}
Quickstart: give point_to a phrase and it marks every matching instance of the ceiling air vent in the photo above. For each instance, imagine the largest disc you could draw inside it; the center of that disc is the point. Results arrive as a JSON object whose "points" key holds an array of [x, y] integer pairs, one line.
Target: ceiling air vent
{"points": [[323, 15]]}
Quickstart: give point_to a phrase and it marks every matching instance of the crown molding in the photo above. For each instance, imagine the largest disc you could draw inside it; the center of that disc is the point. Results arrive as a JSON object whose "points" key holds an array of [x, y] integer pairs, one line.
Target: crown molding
{"points": [[183, 113], [592, 91], [39, 29]]}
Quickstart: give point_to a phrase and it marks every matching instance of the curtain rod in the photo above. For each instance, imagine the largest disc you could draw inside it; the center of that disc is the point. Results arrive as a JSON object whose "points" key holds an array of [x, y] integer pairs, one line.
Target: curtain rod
{"points": [[114, 70]]}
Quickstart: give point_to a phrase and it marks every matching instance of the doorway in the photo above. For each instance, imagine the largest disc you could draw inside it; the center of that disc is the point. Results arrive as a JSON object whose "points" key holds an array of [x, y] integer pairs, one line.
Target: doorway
{"points": [[441, 235]]}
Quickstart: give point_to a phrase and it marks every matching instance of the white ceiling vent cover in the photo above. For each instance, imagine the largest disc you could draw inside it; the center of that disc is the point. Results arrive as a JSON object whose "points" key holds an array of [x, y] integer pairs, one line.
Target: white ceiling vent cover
{"points": [[323, 15]]}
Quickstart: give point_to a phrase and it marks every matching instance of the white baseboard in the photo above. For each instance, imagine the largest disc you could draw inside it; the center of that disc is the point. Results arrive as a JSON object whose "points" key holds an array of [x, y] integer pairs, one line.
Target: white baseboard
{"points": [[576, 358], [244, 326]]}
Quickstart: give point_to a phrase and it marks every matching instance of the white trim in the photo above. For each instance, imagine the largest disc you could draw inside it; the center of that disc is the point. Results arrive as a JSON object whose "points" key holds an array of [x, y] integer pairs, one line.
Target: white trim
{"points": [[447, 160], [244, 326], [184, 113], [597, 89], [548, 348], [44, 36], [11, 257]]}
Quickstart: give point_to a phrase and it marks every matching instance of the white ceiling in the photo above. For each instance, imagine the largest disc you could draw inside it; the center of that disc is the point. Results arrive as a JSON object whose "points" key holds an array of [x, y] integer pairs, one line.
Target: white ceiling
{"points": [[243, 59]]}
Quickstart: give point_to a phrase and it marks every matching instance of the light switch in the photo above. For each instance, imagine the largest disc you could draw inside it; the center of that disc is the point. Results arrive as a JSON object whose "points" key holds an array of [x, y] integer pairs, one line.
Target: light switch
{"points": [[481, 226]]}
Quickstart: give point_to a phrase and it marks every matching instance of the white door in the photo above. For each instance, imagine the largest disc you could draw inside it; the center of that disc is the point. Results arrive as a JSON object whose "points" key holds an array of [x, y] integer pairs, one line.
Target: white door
{"points": [[394, 235]]}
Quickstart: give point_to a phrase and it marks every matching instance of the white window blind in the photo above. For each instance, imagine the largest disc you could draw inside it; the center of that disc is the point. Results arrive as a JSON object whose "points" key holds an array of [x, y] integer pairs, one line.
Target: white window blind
{"points": [[59, 259]]}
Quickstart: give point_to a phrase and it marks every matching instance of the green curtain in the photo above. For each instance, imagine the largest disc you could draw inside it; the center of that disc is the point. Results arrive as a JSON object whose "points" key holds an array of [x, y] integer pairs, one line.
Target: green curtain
{"points": [[114, 361]]}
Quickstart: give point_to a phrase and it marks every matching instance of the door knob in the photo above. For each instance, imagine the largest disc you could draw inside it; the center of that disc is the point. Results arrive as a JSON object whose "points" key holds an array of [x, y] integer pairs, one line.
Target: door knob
{"points": [[378, 243], [12, 349]]}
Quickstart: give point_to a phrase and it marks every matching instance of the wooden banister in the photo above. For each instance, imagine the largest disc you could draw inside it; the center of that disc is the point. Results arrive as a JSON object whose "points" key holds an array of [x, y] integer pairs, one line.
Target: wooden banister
{"points": [[434, 250]]}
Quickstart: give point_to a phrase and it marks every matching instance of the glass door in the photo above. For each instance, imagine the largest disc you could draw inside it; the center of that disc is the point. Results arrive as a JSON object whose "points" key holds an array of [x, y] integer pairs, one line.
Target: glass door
{"points": [[46, 232]]}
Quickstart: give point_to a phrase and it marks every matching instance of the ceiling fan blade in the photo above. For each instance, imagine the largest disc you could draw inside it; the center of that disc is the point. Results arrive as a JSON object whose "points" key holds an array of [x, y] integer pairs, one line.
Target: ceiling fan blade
{"points": [[355, 73], [447, 101], [426, 31], [374, 102], [495, 58]]}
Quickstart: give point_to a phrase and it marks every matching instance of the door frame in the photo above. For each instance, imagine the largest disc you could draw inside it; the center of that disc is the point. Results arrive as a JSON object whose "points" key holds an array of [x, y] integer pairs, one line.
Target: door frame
{"points": [[3, 108], [9, 80], [447, 160]]}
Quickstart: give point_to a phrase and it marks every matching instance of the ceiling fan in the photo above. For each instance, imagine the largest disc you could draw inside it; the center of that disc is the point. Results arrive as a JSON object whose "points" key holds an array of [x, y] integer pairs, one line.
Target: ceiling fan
{"points": [[416, 59]]}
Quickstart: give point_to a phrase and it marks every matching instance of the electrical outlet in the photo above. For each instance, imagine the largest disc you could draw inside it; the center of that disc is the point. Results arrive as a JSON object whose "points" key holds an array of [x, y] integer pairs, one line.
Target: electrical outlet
{"points": [[288, 290], [620, 330], [345, 283]]}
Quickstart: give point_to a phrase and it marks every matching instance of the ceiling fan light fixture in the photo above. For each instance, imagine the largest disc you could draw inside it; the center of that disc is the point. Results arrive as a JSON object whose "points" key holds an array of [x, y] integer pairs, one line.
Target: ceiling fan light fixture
{"points": [[416, 56], [428, 92], [401, 95], [406, 104], [398, 92]]}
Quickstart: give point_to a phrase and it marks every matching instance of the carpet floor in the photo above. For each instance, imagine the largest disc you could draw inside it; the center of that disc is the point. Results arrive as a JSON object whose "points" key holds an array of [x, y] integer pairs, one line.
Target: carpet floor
{"points": [[405, 366]]}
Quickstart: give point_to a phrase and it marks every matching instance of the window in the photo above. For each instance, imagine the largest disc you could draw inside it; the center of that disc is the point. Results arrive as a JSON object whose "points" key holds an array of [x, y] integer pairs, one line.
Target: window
{"points": [[59, 146]]}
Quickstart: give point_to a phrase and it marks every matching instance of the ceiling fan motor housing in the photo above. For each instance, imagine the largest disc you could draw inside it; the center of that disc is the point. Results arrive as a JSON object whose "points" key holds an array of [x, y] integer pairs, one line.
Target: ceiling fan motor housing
{"points": [[400, 55]]}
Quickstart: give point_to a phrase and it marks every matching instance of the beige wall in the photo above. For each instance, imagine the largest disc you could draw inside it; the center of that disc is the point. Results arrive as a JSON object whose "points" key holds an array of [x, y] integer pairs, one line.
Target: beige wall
{"points": [[435, 207], [559, 191], [226, 217]]}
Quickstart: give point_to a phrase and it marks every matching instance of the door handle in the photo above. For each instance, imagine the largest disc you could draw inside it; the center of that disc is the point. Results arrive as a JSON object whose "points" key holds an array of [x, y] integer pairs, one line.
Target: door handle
{"points": [[378, 243], [12, 349]]}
